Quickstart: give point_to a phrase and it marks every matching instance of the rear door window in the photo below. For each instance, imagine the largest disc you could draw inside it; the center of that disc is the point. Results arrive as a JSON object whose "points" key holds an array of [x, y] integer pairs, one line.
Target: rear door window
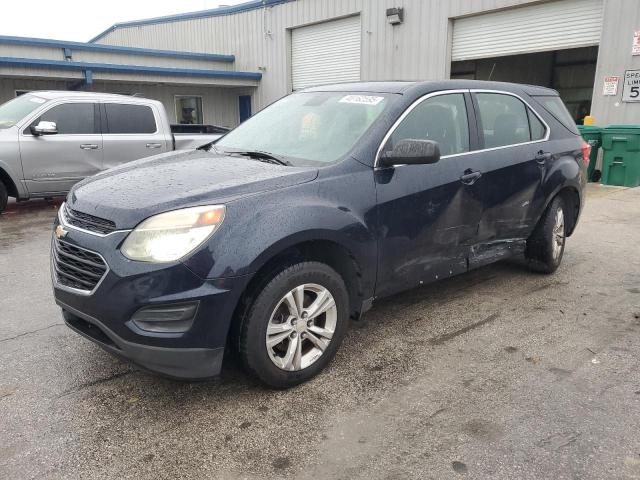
{"points": [[131, 119], [442, 119], [538, 130], [72, 118], [504, 120]]}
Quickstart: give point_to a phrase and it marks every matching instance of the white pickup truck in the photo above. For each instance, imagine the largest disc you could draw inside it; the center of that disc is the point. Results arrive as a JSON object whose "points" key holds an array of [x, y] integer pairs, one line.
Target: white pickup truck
{"points": [[51, 140]]}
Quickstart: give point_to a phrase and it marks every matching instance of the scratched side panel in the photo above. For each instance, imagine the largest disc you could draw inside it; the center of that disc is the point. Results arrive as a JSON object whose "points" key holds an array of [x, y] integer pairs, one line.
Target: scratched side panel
{"points": [[512, 181]]}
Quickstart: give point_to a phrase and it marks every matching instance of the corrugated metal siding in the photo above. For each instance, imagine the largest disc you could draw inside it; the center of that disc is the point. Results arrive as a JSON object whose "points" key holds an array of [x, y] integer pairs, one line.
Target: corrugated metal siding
{"points": [[327, 52], [220, 105], [536, 28], [50, 53], [418, 49], [621, 18], [261, 38]]}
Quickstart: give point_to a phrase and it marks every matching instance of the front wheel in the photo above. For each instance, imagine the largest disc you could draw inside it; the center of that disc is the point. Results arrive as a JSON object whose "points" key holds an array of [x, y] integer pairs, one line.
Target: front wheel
{"points": [[545, 246], [295, 325]]}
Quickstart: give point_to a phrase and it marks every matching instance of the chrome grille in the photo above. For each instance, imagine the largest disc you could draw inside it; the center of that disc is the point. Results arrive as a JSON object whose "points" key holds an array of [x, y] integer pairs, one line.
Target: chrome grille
{"points": [[75, 267], [88, 222]]}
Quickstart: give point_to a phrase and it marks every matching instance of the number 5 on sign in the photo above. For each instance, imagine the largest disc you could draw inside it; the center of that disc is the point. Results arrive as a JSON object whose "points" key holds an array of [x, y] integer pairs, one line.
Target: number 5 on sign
{"points": [[631, 89]]}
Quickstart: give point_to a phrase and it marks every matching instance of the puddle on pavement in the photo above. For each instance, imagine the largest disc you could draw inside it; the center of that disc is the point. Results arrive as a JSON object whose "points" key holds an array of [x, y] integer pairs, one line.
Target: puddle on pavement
{"points": [[20, 220]]}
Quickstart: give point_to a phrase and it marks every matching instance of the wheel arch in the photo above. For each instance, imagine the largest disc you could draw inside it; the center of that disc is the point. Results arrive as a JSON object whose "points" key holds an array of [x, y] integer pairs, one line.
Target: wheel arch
{"points": [[12, 188], [329, 252], [573, 203]]}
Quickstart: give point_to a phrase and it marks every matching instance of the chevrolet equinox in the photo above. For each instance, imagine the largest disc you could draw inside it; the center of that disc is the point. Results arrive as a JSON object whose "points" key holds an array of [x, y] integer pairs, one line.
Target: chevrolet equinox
{"points": [[269, 240]]}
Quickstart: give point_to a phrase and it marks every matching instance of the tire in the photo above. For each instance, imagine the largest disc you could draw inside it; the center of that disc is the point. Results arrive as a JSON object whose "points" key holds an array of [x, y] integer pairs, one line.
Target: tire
{"points": [[545, 246], [281, 364], [4, 197]]}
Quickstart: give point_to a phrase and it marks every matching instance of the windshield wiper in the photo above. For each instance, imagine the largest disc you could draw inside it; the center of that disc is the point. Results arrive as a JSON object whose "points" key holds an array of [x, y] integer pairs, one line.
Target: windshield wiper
{"points": [[265, 157]]}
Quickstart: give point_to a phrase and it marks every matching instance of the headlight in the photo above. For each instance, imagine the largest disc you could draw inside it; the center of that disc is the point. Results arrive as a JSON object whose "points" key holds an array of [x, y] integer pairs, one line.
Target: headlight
{"points": [[170, 236]]}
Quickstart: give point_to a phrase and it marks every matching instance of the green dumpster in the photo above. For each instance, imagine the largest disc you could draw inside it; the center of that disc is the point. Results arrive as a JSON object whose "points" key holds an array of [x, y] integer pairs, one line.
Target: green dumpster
{"points": [[621, 155], [592, 135]]}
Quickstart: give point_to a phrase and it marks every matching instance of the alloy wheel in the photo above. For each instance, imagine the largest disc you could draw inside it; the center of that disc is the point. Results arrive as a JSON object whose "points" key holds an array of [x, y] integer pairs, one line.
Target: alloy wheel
{"points": [[558, 234], [301, 327]]}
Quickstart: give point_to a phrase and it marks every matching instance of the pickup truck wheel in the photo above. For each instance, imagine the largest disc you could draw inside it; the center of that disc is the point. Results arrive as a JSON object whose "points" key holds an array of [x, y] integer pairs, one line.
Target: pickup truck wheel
{"points": [[545, 246], [4, 197], [295, 325]]}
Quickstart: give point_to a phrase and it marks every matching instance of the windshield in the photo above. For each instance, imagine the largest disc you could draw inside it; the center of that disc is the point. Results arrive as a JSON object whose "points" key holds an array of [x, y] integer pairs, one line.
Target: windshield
{"points": [[15, 110], [308, 128]]}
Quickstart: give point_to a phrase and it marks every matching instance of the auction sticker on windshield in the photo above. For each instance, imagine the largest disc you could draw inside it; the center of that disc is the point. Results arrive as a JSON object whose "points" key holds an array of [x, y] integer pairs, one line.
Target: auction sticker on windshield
{"points": [[631, 89], [362, 99]]}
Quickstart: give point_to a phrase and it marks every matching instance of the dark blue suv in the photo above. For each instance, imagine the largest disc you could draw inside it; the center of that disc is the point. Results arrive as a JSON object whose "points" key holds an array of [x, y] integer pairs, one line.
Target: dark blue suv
{"points": [[270, 240]]}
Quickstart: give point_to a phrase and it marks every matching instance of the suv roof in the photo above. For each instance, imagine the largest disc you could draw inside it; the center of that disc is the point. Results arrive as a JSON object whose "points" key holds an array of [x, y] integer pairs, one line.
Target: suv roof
{"points": [[431, 86]]}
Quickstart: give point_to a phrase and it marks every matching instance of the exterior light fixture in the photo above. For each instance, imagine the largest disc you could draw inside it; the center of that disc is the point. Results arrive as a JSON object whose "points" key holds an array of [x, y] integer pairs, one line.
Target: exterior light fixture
{"points": [[395, 16]]}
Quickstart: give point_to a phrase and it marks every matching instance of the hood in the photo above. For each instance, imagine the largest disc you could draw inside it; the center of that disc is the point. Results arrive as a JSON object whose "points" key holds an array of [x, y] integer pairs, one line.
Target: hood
{"points": [[137, 190]]}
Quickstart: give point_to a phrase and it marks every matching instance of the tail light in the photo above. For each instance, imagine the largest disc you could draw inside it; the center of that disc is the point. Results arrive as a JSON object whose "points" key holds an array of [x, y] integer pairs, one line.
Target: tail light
{"points": [[586, 152]]}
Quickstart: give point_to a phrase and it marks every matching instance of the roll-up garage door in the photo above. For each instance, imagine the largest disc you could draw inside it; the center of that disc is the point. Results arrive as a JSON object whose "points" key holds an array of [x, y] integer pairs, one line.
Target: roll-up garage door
{"points": [[327, 52], [547, 26]]}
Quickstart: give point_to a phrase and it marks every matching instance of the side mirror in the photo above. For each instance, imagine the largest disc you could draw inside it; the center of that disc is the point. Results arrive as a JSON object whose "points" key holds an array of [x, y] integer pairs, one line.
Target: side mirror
{"points": [[411, 152], [44, 128]]}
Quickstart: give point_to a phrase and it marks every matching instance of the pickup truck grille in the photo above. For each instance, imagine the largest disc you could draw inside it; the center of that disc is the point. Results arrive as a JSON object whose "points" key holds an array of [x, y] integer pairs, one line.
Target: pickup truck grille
{"points": [[76, 267], [88, 222]]}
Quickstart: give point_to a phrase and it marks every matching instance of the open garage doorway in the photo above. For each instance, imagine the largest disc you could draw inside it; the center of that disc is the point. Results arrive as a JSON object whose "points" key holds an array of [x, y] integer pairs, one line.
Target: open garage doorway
{"points": [[571, 72], [551, 44]]}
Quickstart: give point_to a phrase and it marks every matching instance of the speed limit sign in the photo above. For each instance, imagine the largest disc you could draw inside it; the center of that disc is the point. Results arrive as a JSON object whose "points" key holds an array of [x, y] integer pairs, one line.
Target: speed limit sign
{"points": [[631, 88]]}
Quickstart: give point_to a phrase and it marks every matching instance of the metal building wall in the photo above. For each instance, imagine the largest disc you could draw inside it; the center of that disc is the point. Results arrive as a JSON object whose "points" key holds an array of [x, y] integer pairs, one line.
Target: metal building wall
{"points": [[51, 53], [260, 39], [621, 18], [418, 49], [219, 105]]}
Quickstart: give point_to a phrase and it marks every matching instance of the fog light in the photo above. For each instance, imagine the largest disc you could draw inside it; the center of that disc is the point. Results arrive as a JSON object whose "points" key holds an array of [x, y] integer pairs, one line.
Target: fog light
{"points": [[174, 318]]}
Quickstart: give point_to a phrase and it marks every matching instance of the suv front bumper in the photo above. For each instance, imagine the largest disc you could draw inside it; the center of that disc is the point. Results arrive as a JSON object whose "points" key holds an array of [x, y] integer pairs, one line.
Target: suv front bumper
{"points": [[104, 315], [183, 363]]}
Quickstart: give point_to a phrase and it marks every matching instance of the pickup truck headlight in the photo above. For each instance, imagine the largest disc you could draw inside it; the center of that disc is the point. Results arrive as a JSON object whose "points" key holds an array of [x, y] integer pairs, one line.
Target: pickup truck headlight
{"points": [[172, 235]]}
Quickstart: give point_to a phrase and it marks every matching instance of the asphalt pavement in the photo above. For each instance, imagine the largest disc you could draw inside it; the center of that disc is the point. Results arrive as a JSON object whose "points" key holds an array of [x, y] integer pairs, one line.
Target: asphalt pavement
{"points": [[499, 373]]}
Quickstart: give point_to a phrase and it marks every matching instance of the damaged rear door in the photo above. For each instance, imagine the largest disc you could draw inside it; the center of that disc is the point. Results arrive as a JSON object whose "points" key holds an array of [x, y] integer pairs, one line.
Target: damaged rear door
{"points": [[428, 215], [514, 156]]}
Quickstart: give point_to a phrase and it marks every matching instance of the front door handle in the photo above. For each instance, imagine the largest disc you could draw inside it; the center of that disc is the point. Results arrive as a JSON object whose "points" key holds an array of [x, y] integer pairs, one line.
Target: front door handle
{"points": [[89, 146], [543, 157], [154, 145], [469, 177]]}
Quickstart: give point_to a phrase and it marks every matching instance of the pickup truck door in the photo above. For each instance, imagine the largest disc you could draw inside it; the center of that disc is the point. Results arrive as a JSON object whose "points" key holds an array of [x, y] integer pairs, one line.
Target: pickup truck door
{"points": [[132, 131], [53, 163], [428, 214]]}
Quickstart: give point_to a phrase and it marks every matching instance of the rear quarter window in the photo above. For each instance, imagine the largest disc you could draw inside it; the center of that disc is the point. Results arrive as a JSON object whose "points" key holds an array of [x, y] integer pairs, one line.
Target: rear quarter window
{"points": [[555, 106]]}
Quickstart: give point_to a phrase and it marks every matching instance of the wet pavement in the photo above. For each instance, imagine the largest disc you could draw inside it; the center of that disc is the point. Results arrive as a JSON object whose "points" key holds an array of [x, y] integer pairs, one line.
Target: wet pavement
{"points": [[499, 374]]}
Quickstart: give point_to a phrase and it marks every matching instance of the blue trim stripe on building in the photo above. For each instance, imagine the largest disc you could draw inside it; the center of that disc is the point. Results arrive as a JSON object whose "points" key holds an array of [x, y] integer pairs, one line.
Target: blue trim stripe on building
{"points": [[216, 12], [116, 68], [94, 47]]}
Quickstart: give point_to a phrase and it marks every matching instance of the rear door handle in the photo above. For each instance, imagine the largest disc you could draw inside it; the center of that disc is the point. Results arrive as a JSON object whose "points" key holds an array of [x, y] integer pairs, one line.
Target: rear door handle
{"points": [[469, 177], [154, 145], [89, 146], [543, 157]]}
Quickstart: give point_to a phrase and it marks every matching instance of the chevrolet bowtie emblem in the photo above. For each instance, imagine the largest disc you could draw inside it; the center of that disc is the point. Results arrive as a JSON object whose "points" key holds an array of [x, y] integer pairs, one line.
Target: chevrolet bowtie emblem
{"points": [[60, 232]]}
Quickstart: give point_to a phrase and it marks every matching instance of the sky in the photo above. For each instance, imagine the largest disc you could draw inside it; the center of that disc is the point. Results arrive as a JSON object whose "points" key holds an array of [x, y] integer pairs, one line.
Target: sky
{"points": [[81, 20]]}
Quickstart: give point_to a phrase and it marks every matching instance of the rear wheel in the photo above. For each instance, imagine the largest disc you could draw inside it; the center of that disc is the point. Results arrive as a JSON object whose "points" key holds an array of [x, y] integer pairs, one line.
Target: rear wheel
{"points": [[545, 246], [4, 197], [295, 325]]}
